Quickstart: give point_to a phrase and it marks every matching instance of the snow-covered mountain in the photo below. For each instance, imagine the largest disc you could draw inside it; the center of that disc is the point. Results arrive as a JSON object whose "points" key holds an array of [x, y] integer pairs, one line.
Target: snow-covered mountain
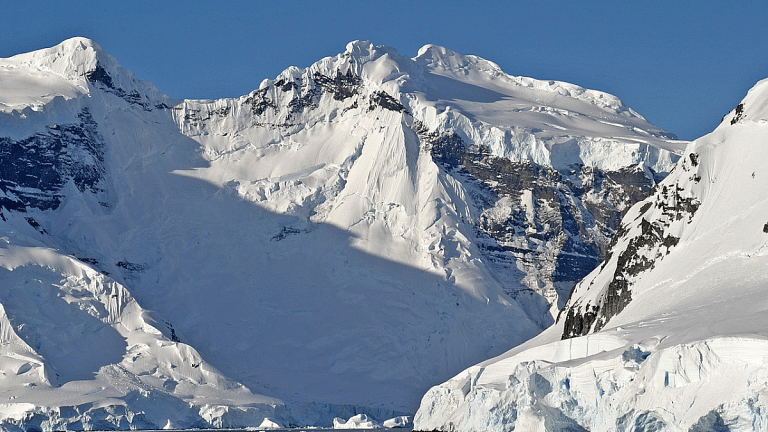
{"points": [[340, 239], [669, 333]]}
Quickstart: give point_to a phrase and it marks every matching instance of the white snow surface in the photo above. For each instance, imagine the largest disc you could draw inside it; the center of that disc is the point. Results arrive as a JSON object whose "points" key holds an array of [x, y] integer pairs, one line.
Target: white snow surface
{"points": [[41, 80], [313, 253], [76, 348], [689, 352]]}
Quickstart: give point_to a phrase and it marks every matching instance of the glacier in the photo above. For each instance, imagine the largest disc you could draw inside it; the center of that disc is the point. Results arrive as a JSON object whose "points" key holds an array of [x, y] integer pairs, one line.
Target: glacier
{"points": [[668, 334], [332, 244]]}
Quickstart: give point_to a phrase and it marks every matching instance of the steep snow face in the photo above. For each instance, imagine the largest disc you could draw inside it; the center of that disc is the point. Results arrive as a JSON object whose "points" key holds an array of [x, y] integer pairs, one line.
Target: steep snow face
{"points": [[579, 156], [705, 181], [34, 79], [344, 248], [442, 163], [674, 318], [345, 236]]}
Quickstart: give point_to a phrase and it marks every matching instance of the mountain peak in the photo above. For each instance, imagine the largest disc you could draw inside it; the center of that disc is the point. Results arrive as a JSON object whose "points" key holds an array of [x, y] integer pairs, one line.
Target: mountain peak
{"points": [[71, 59], [360, 46], [365, 49], [362, 52], [441, 57], [73, 67], [754, 106], [80, 43]]}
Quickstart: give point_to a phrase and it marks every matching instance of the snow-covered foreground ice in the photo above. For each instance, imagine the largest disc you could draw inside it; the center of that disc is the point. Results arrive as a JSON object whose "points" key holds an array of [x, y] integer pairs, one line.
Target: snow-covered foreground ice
{"points": [[681, 305], [77, 351], [166, 263]]}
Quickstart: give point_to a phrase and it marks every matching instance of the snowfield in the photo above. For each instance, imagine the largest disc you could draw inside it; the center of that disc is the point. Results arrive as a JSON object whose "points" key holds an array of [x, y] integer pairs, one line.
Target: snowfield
{"points": [[79, 352], [318, 248], [669, 337]]}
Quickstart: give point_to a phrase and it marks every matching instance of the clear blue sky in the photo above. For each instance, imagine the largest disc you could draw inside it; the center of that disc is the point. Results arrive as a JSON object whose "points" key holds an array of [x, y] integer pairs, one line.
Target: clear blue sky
{"points": [[681, 64]]}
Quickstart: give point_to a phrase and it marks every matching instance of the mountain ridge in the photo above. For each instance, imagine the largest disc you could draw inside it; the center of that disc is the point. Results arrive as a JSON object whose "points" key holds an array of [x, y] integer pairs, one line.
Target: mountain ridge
{"points": [[668, 333], [343, 237]]}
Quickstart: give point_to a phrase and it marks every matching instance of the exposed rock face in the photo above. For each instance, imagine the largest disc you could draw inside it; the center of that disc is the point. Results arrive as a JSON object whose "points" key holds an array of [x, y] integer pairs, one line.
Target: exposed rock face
{"points": [[541, 230], [635, 249], [35, 169], [103, 80]]}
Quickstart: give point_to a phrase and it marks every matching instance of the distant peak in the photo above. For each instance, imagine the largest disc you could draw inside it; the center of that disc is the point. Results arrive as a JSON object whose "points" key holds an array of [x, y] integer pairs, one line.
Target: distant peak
{"points": [[84, 63], [437, 56], [430, 50], [366, 50], [70, 59], [360, 46], [80, 43]]}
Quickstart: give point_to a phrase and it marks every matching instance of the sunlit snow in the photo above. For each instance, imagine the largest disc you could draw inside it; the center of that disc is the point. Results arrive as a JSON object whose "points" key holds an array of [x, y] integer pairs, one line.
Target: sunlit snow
{"points": [[689, 351], [296, 242]]}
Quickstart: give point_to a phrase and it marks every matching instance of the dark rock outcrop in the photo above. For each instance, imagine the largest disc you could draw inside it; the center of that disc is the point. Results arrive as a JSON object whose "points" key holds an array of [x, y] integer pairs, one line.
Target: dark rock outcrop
{"points": [[566, 233], [36, 168], [645, 241]]}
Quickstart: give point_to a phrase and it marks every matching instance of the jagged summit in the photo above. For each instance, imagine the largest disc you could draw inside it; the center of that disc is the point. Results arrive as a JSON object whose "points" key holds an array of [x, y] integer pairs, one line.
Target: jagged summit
{"points": [[552, 122], [365, 50]]}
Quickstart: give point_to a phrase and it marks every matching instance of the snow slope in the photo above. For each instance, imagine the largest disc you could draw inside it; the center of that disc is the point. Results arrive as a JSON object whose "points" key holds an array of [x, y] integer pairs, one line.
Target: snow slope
{"points": [[326, 239], [572, 160], [674, 321], [78, 351]]}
